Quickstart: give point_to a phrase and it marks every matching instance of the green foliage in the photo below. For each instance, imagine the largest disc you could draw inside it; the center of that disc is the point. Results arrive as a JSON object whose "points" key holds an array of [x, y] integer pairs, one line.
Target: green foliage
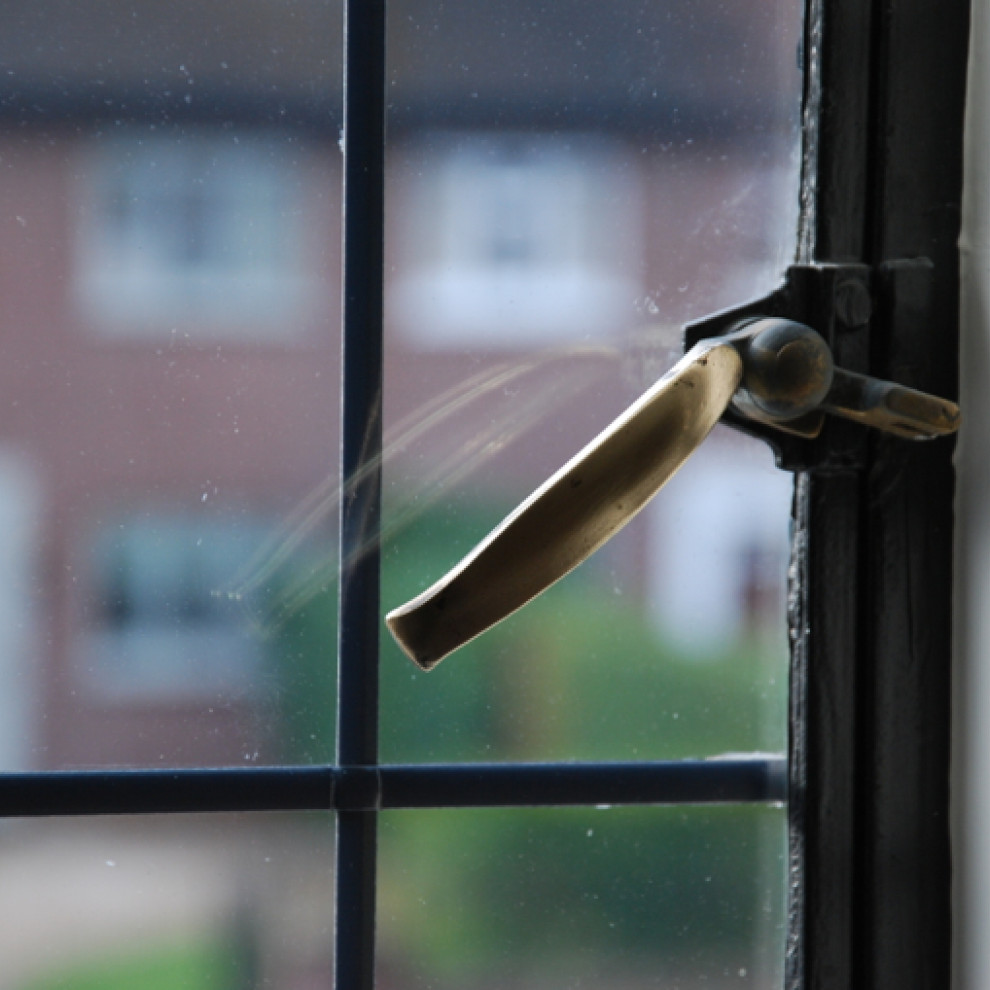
{"points": [[305, 649], [580, 674], [188, 966], [479, 891]]}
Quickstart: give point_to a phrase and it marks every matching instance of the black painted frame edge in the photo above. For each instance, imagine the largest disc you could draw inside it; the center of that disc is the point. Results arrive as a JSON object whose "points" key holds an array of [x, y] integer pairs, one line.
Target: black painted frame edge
{"points": [[735, 780], [871, 606]]}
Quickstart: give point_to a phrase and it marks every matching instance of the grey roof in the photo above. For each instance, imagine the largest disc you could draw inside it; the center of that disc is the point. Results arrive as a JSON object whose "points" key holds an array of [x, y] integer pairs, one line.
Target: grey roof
{"points": [[622, 63]]}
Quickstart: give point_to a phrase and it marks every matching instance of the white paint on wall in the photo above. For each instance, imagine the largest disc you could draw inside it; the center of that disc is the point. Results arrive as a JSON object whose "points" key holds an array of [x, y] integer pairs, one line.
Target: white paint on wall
{"points": [[719, 527], [19, 533], [971, 754]]}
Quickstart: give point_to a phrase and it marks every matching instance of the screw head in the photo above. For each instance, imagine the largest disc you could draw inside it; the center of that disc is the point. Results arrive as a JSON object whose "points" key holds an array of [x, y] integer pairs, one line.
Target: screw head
{"points": [[853, 305]]}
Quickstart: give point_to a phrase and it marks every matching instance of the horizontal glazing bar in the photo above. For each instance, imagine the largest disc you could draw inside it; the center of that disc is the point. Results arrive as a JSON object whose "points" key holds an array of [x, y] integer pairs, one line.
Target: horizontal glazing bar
{"points": [[322, 788], [752, 779], [138, 792]]}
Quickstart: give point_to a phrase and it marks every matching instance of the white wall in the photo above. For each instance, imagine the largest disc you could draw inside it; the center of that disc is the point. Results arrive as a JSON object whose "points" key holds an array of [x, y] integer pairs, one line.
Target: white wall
{"points": [[725, 502], [20, 504], [971, 776]]}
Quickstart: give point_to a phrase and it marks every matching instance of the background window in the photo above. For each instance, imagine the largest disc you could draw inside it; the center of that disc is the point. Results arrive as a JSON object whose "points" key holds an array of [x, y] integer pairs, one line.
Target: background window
{"points": [[202, 226], [508, 239], [161, 620]]}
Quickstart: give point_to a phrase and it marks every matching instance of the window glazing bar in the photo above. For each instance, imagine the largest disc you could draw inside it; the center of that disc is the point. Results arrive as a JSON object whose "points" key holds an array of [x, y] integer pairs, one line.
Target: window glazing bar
{"points": [[366, 789], [361, 433], [361, 387], [736, 780]]}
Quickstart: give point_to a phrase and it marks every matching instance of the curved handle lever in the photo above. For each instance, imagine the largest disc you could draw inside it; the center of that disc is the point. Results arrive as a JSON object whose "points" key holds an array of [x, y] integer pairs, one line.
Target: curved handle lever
{"points": [[573, 513], [772, 370]]}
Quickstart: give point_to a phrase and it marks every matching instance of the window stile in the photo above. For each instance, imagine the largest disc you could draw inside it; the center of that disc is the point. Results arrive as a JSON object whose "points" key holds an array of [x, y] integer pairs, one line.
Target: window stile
{"points": [[871, 597]]}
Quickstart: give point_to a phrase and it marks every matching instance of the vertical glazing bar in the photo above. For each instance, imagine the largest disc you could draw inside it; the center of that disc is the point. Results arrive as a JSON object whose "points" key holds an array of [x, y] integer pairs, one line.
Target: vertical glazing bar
{"points": [[357, 705]]}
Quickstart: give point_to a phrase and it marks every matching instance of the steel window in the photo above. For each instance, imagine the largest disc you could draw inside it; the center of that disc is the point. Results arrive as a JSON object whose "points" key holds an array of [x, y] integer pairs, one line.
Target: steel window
{"points": [[831, 815]]}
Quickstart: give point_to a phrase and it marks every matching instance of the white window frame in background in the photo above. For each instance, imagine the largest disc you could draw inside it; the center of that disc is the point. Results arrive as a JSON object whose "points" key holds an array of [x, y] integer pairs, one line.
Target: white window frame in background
{"points": [[200, 232], [514, 238], [165, 564]]}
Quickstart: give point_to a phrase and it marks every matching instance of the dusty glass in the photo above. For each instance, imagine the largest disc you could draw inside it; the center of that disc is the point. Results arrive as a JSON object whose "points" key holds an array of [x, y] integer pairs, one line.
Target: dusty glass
{"points": [[184, 901], [568, 184], [618, 897], [170, 179]]}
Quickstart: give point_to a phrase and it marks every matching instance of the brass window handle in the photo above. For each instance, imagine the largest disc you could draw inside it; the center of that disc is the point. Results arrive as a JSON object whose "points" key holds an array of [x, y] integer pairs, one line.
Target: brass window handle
{"points": [[772, 370]]}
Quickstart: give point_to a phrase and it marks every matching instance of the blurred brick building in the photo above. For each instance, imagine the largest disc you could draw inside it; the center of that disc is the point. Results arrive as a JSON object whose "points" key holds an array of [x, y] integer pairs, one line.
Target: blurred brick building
{"points": [[169, 274]]}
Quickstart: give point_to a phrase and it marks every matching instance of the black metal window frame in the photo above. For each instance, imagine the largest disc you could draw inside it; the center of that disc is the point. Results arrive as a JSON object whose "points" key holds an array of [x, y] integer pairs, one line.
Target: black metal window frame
{"points": [[867, 773], [871, 609]]}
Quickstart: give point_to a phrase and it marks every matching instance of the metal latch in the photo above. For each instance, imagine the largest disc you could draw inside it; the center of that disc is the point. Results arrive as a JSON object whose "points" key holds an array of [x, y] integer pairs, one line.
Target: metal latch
{"points": [[770, 370], [789, 377]]}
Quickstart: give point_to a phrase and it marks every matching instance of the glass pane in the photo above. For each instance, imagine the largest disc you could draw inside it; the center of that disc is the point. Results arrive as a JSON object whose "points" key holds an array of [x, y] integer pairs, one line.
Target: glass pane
{"points": [[569, 182], [190, 902], [625, 898], [170, 179]]}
